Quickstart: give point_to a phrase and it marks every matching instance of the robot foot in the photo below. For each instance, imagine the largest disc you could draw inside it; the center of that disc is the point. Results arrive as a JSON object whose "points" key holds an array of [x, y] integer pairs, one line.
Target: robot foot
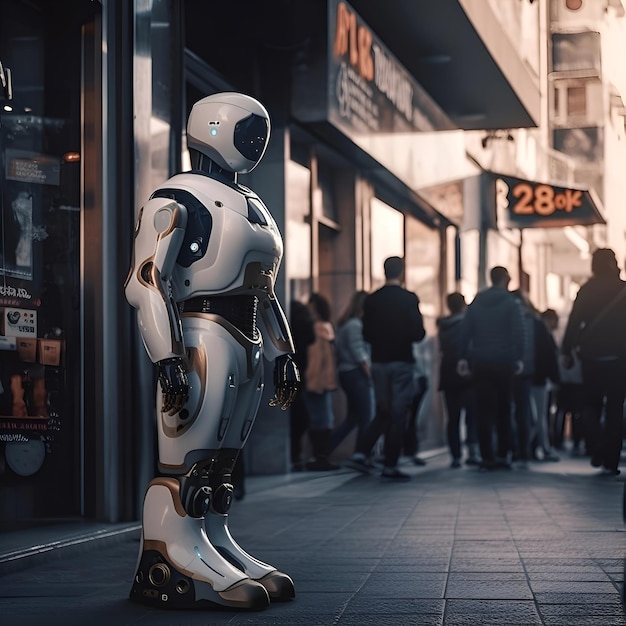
{"points": [[158, 583], [279, 586]]}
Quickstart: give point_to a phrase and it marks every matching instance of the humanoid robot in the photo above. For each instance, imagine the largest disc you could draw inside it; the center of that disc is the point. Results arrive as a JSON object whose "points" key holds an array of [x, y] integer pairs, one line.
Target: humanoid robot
{"points": [[206, 255]]}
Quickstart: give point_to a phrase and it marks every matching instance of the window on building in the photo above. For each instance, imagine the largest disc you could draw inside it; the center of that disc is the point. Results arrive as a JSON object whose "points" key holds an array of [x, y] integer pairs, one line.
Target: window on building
{"points": [[557, 102], [576, 101], [298, 230]]}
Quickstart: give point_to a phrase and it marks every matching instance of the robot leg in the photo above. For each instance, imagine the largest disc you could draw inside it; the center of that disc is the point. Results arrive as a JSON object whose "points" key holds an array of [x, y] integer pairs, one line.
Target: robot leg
{"points": [[279, 586], [178, 567]]}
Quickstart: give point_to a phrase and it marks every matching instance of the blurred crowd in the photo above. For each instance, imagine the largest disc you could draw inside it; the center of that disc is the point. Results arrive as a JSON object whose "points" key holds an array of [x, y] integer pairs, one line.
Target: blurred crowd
{"points": [[518, 385]]}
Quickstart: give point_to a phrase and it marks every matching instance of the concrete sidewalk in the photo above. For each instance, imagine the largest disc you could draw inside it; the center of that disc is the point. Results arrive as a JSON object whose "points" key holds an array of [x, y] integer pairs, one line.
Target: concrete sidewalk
{"points": [[451, 547]]}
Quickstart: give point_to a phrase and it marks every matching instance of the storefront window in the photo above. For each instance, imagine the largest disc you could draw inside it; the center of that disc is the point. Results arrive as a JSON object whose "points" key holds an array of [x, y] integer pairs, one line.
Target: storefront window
{"points": [[470, 263], [387, 238], [422, 267], [502, 251], [298, 230], [40, 160]]}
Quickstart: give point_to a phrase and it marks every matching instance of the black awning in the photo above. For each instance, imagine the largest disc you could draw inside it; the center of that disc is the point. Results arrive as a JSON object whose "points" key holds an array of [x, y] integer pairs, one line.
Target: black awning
{"points": [[520, 203]]}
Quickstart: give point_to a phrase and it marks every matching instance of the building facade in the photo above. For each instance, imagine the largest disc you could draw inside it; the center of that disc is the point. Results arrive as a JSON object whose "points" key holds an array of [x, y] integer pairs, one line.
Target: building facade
{"points": [[368, 158]]}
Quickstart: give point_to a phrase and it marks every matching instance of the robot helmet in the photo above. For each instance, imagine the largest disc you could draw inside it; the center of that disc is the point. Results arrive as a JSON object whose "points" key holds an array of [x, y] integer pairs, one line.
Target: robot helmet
{"points": [[231, 129]]}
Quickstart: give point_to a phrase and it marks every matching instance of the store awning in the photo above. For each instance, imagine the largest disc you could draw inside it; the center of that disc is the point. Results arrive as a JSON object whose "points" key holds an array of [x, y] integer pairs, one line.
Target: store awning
{"points": [[460, 53], [511, 202]]}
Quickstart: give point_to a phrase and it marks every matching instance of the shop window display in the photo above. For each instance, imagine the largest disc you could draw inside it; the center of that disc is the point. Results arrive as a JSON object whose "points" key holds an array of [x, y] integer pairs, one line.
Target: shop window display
{"points": [[40, 142]]}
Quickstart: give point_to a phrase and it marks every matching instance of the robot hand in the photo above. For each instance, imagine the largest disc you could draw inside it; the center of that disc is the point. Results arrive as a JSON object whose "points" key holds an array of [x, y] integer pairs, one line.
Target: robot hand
{"points": [[174, 385], [286, 382]]}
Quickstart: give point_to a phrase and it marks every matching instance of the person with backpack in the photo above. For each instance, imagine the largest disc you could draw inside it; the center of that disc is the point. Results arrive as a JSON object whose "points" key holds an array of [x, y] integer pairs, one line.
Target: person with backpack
{"points": [[595, 332]]}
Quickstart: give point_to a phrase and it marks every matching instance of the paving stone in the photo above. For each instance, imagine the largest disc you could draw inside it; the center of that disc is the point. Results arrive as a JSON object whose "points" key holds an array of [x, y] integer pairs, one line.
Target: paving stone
{"points": [[447, 549]]}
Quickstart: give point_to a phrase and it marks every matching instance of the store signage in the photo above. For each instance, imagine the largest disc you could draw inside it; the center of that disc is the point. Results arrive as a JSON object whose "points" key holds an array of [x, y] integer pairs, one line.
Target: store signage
{"points": [[523, 203], [30, 167], [19, 323], [369, 90], [22, 428]]}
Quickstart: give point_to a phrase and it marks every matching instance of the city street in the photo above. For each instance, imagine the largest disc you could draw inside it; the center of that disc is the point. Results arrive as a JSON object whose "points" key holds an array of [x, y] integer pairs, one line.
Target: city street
{"points": [[451, 547]]}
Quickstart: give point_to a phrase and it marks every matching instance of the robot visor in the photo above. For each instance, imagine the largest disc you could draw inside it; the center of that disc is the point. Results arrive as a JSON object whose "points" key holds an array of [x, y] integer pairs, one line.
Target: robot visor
{"points": [[251, 136]]}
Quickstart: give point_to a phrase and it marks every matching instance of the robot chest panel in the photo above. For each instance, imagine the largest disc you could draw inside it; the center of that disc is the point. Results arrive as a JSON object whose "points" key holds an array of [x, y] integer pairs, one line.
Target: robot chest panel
{"points": [[237, 251]]}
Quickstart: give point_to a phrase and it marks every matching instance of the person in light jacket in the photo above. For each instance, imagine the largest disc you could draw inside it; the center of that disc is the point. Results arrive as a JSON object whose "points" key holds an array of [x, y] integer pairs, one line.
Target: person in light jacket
{"points": [[320, 383], [354, 370]]}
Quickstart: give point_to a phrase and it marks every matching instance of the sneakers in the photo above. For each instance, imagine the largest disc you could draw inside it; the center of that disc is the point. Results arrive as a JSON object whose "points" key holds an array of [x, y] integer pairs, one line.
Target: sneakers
{"points": [[321, 465], [455, 463], [418, 461], [550, 457], [607, 471], [486, 466], [359, 464], [393, 473], [490, 466]]}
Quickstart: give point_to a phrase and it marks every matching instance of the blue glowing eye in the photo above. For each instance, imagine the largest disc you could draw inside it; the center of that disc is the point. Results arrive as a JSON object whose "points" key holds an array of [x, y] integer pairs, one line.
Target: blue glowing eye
{"points": [[213, 132]]}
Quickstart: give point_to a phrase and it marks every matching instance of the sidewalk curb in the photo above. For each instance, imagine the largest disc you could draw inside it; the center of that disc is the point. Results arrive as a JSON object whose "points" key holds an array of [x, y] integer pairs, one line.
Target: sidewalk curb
{"points": [[68, 546]]}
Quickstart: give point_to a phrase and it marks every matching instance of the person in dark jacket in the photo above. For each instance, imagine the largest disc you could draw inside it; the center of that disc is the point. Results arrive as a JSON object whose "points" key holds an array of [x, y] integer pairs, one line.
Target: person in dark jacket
{"points": [[595, 330], [492, 349], [522, 386], [303, 333], [458, 393], [392, 322], [546, 378]]}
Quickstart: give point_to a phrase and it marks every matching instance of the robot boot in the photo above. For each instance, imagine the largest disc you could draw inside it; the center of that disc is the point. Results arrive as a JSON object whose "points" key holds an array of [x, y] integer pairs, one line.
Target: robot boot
{"points": [[279, 586], [178, 567]]}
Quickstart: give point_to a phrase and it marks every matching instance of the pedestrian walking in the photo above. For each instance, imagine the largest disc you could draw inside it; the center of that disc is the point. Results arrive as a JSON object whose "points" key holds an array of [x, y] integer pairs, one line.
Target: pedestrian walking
{"points": [[546, 379], [458, 391], [320, 383], [303, 333], [354, 371], [491, 350], [595, 331], [392, 322], [522, 386]]}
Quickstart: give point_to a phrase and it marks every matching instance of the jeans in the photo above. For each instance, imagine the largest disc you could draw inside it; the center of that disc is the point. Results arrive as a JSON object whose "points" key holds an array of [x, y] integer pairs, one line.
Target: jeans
{"points": [[359, 391], [320, 409], [523, 416], [604, 387], [493, 385], [540, 402], [456, 400], [394, 390]]}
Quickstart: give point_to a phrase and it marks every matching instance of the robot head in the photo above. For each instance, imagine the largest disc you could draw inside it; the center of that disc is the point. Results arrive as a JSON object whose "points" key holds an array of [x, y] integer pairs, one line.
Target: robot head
{"points": [[230, 128]]}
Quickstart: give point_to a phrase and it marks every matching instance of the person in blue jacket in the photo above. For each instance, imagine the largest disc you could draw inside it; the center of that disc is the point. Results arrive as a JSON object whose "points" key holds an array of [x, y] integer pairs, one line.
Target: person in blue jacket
{"points": [[492, 350]]}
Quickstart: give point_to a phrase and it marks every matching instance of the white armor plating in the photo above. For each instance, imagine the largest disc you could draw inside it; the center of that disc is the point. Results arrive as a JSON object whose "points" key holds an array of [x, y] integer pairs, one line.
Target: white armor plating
{"points": [[206, 255]]}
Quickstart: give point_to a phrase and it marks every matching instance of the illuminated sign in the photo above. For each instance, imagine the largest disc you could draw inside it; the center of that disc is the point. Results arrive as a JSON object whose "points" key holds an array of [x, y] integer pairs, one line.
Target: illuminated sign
{"points": [[523, 203], [369, 91], [31, 167]]}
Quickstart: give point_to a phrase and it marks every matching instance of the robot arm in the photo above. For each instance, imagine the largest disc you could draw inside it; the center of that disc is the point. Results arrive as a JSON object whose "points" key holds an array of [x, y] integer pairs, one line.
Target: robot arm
{"points": [[278, 347], [273, 326], [158, 237], [286, 381]]}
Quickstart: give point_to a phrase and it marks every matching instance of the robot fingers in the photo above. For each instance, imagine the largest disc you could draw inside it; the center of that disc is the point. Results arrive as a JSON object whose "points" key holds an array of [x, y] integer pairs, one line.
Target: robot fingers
{"points": [[286, 382], [174, 385], [173, 403], [283, 398]]}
